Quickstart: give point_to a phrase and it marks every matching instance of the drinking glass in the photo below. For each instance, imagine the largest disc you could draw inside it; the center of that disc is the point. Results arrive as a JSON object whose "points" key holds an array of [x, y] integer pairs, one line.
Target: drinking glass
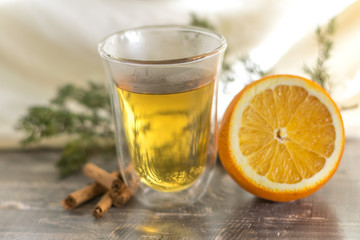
{"points": [[163, 84]]}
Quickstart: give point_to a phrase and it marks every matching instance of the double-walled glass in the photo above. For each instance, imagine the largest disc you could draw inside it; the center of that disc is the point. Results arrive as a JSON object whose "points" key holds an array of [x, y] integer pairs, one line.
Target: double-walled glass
{"points": [[163, 88]]}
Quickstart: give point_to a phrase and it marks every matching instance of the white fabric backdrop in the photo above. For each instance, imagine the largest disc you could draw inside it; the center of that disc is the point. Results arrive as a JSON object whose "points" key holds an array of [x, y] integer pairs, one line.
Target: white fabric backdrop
{"points": [[44, 44]]}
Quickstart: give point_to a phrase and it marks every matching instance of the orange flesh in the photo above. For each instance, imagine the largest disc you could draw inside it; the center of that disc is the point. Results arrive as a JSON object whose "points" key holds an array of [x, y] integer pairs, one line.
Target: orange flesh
{"points": [[286, 134]]}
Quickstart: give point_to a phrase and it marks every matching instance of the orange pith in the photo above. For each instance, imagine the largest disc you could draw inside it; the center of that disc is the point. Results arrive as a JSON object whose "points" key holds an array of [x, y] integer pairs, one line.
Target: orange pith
{"points": [[281, 138]]}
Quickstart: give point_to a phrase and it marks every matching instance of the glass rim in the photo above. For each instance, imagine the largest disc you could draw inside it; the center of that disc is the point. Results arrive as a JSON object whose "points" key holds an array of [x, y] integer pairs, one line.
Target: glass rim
{"points": [[221, 46]]}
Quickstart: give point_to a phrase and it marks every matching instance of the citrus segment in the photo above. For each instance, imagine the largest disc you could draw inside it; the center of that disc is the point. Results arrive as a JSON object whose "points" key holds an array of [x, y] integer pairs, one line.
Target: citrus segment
{"points": [[261, 160], [252, 119], [287, 100], [283, 169], [264, 104], [306, 161], [253, 139], [281, 137]]}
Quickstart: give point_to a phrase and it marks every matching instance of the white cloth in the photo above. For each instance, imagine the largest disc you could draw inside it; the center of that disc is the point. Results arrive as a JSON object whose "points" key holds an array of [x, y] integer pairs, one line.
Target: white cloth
{"points": [[45, 44], [343, 65]]}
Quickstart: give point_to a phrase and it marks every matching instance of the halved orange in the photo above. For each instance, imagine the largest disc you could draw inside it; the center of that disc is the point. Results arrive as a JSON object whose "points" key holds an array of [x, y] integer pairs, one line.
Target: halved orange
{"points": [[281, 138]]}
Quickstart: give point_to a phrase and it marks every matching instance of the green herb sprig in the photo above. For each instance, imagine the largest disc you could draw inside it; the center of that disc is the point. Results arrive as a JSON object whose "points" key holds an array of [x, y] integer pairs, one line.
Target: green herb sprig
{"points": [[83, 114], [252, 68], [324, 39], [200, 22]]}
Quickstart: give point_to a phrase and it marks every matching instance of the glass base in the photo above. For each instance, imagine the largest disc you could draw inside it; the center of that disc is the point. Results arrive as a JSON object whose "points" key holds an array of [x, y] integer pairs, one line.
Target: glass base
{"points": [[159, 200]]}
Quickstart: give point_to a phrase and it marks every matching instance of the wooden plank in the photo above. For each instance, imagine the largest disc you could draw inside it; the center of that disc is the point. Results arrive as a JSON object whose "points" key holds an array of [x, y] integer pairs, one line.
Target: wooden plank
{"points": [[30, 195]]}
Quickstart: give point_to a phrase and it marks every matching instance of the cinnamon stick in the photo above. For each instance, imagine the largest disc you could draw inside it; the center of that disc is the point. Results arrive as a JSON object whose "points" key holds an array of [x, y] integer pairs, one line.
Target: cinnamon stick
{"points": [[99, 175], [119, 198], [120, 193], [117, 187], [82, 195], [102, 206]]}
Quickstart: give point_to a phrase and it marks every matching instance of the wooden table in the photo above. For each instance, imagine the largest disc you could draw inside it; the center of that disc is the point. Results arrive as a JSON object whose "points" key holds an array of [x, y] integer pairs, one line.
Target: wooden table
{"points": [[30, 195]]}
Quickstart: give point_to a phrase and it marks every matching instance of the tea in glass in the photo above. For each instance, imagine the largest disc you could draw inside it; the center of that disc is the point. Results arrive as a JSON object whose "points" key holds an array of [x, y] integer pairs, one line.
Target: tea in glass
{"points": [[163, 88]]}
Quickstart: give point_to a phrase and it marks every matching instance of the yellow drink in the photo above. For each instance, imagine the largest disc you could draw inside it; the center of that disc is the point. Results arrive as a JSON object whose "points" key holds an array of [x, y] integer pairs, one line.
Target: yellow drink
{"points": [[168, 135]]}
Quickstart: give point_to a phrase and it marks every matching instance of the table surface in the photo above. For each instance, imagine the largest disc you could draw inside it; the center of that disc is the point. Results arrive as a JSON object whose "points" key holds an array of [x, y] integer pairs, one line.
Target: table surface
{"points": [[30, 195]]}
